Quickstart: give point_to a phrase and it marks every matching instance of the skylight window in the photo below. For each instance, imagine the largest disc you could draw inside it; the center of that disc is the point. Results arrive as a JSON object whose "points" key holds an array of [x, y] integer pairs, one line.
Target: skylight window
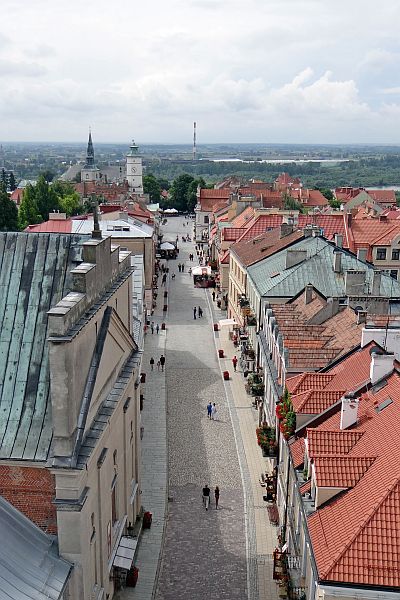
{"points": [[383, 405]]}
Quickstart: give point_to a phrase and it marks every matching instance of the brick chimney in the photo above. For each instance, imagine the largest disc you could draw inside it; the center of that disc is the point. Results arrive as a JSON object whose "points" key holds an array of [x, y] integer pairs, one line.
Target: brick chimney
{"points": [[337, 260]]}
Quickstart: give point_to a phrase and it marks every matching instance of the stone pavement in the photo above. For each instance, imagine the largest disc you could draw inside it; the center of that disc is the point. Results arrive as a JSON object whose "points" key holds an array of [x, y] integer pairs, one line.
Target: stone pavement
{"points": [[215, 554]]}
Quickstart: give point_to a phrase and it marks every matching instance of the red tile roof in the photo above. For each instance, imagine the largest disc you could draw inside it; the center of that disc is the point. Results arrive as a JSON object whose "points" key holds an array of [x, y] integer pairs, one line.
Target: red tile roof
{"points": [[355, 535], [341, 471], [314, 402], [251, 251], [245, 216], [16, 196], [211, 200], [52, 226], [297, 449]]}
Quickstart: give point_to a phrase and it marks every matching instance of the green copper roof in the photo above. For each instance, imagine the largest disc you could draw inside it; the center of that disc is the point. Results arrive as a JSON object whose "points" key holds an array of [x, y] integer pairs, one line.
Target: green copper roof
{"points": [[273, 280], [34, 275]]}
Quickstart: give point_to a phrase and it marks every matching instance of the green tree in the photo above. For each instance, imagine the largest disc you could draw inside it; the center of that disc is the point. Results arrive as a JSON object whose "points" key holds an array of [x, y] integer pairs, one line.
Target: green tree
{"points": [[292, 204], [71, 204], [179, 191], [48, 175], [28, 211], [46, 198], [3, 178], [326, 192], [163, 183], [192, 193], [11, 182], [8, 211], [151, 186]]}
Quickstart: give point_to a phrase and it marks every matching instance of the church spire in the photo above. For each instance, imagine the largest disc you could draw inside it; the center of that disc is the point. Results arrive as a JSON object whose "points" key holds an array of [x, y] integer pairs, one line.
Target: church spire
{"points": [[90, 152]]}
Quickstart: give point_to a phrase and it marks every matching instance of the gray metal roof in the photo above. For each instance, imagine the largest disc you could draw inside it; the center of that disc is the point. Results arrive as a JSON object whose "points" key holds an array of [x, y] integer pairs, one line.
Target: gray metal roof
{"points": [[30, 566], [106, 409], [273, 280], [34, 276]]}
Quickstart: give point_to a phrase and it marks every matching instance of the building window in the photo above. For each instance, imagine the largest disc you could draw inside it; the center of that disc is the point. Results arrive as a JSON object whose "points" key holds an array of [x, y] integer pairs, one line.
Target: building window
{"points": [[381, 254], [393, 273], [206, 219], [395, 254]]}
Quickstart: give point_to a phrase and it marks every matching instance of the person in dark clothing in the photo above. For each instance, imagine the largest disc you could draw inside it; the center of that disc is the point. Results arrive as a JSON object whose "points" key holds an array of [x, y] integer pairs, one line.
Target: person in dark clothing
{"points": [[194, 312], [213, 296], [162, 362], [200, 311], [206, 496], [216, 496], [152, 363]]}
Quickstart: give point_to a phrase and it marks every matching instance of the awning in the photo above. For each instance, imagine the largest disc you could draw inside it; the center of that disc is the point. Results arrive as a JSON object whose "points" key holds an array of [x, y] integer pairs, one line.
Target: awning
{"points": [[167, 246], [125, 553], [201, 270], [227, 322]]}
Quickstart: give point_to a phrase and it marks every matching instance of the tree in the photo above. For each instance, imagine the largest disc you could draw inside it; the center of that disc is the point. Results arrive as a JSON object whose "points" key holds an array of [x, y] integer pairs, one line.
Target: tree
{"points": [[192, 193], [327, 193], [292, 204], [28, 211], [11, 182], [48, 175], [71, 204], [3, 178], [179, 191], [152, 187], [8, 212], [163, 183], [46, 198]]}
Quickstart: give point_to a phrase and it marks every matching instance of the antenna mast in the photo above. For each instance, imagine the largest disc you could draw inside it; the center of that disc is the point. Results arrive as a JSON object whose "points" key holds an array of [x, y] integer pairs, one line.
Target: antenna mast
{"points": [[194, 140]]}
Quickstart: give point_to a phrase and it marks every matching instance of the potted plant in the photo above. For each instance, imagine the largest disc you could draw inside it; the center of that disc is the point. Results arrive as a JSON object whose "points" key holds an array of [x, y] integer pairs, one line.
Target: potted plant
{"points": [[220, 353], [226, 375]]}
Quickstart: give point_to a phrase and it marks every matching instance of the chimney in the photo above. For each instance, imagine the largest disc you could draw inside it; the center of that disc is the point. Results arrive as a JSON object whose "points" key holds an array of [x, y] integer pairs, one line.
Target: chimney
{"points": [[337, 260], [354, 283], [349, 411], [361, 316], [381, 365], [362, 254], [286, 229], [295, 257], [308, 293], [376, 283], [96, 233], [349, 218], [307, 231], [338, 240]]}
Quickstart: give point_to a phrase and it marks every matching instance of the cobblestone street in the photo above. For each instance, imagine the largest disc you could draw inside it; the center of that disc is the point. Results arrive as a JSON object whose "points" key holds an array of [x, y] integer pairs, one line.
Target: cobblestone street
{"points": [[190, 553], [204, 554]]}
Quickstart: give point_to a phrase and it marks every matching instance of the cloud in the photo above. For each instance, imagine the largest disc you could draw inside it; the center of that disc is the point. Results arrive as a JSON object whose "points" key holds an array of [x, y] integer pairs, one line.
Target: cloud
{"points": [[379, 59], [10, 68]]}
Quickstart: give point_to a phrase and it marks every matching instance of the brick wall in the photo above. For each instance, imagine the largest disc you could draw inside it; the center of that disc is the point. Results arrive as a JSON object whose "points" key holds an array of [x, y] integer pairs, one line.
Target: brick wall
{"points": [[31, 490]]}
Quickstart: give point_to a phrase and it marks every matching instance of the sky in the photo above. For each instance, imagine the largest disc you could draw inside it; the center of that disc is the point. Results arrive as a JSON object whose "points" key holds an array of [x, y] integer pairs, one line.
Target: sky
{"points": [[265, 71]]}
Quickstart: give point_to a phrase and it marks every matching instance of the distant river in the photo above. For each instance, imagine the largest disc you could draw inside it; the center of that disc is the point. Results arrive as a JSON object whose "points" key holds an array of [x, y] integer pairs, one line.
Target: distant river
{"points": [[282, 161]]}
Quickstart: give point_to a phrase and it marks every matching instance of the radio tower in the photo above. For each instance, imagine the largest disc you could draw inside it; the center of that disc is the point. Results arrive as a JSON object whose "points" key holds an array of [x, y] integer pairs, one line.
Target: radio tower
{"points": [[194, 140]]}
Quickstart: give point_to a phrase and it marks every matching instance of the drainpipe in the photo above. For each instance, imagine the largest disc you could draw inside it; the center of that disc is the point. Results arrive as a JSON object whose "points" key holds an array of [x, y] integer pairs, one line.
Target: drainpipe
{"points": [[284, 526]]}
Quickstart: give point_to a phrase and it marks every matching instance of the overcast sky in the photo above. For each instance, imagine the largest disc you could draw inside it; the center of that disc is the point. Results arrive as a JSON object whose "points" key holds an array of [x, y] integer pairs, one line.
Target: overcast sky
{"points": [[322, 71]]}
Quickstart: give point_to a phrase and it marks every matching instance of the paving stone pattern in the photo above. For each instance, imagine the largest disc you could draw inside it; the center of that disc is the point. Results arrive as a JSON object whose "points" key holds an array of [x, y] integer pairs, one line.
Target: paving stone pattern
{"points": [[204, 553]]}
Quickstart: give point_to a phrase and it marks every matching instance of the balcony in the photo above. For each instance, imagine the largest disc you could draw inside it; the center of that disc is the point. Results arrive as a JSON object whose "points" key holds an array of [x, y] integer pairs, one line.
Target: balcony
{"points": [[287, 573]]}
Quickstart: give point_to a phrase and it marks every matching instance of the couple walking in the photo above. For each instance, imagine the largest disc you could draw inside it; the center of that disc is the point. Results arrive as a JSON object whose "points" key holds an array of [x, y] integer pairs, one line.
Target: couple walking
{"points": [[199, 312], [206, 496], [211, 410], [160, 363]]}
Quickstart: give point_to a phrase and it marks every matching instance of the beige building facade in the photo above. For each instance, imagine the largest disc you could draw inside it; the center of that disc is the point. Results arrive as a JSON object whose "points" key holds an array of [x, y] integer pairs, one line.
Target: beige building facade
{"points": [[95, 374]]}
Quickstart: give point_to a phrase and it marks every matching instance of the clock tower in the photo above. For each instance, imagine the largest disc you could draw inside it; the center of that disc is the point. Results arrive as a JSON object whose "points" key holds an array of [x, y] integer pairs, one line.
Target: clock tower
{"points": [[134, 169]]}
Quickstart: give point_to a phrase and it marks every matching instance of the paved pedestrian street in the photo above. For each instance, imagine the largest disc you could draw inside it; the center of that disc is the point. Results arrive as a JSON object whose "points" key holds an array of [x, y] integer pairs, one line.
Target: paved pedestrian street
{"points": [[190, 553]]}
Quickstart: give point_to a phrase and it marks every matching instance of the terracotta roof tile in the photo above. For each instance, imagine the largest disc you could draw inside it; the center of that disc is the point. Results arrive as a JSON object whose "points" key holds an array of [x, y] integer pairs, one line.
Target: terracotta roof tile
{"points": [[341, 471], [314, 402], [297, 448], [332, 442], [251, 251]]}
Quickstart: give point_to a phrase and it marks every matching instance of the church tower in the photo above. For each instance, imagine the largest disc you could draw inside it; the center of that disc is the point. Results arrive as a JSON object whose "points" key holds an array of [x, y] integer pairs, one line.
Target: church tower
{"points": [[134, 169], [90, 172]]}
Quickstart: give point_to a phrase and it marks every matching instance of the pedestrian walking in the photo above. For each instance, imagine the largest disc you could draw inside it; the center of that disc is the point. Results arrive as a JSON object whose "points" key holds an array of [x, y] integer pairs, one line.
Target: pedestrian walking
{"points": [[194, 312], [183, 268], [164, 279], [234, 362], [206, 496], [213, 296], [216, 496], [179, 267], [209, 409], [213, 412], [162, 362], [152, 363], [158, 365], [157, 328], [200, 311], [152, 327], [173, 276]]}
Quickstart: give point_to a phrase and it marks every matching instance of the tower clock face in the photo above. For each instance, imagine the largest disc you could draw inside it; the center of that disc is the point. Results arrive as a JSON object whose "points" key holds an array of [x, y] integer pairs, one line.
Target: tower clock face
{"points": [[133, 169]]}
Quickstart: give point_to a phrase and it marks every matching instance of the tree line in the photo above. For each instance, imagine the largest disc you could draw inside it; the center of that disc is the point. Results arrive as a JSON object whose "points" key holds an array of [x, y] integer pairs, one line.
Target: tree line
{"points": [[38, 201]]}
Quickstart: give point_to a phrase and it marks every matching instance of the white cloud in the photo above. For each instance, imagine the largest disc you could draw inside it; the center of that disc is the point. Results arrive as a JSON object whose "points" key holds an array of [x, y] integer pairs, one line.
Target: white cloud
{"points": [[255, 70]]}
